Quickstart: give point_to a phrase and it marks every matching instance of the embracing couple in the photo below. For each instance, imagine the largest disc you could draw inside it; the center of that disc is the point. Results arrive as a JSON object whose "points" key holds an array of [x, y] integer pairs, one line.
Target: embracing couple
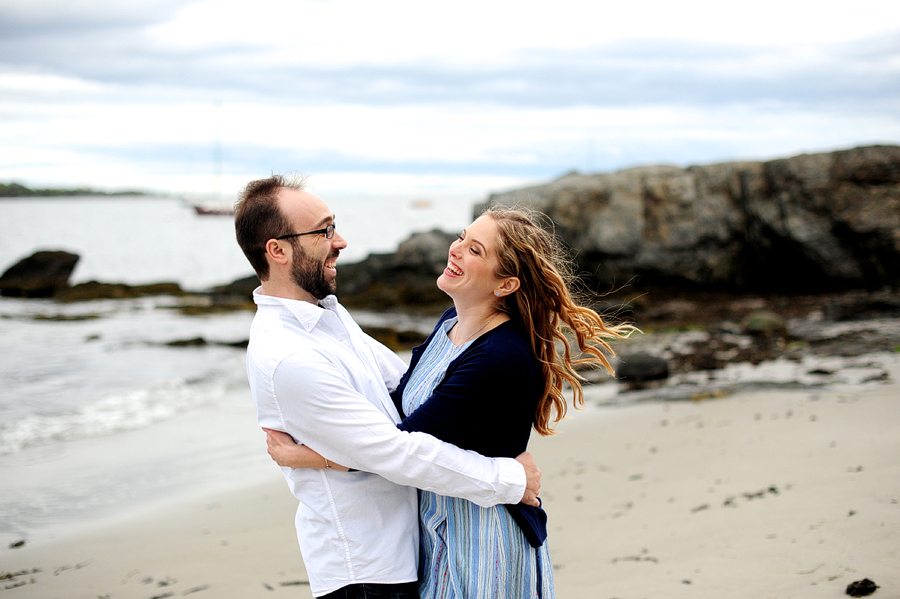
{"points": [[357, 431]]}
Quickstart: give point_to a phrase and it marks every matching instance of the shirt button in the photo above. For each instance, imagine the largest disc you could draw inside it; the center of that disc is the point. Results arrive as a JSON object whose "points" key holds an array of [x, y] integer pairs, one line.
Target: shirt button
{"points": [[343, 338]]}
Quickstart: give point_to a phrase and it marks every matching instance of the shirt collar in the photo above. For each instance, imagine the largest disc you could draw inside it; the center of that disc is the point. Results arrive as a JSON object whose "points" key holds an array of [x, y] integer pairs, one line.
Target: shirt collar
{"points": [[307, 314]]}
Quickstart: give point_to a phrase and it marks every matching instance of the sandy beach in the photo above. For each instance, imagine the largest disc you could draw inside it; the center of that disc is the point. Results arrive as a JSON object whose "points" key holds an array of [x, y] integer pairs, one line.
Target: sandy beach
{"points": [[762, 493]]}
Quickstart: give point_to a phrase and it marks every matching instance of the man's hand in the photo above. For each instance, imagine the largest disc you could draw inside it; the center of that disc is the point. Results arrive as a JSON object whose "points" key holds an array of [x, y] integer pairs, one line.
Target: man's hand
{"points": [[285, 451], [532, 479]]}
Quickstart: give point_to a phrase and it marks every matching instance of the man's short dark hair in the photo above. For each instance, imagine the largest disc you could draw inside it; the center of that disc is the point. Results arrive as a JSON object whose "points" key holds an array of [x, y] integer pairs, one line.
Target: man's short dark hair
{"points": [[257, 218]]}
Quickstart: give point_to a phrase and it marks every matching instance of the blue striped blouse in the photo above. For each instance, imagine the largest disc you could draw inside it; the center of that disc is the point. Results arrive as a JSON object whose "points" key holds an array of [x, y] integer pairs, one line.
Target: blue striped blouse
{"points": [[480, 396]]}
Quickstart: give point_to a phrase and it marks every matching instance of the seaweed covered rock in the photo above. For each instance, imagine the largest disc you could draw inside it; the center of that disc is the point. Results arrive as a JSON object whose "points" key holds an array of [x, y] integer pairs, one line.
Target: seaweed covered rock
{"points": [[40, 275], [406, 278], [94, 290]]}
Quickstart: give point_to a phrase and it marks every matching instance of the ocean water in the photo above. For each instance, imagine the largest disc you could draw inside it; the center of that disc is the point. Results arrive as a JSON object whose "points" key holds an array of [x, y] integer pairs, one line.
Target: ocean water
{"points": [[148, 239], [98, 413]]}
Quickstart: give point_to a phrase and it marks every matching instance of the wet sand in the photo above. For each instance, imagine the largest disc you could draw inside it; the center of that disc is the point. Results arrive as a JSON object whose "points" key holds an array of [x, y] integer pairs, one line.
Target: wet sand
{"points": [[776, 493]]}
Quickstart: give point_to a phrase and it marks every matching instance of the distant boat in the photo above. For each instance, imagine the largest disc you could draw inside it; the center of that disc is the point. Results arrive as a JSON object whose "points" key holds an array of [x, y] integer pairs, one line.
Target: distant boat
{"points": [[206, 211], [420, 204]]}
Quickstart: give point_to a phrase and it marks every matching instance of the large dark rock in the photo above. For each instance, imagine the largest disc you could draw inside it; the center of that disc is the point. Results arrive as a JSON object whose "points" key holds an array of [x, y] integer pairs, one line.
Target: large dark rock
{"points": [[640, 368], [809, 223], [39, 275], [46, 274]]}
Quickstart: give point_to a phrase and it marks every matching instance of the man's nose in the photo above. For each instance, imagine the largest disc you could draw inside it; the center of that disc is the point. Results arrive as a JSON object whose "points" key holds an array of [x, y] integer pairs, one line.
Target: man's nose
{"points": [[338, 241]]}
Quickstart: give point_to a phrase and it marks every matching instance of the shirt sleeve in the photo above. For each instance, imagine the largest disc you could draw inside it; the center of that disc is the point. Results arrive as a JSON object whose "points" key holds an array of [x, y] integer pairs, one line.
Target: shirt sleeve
{"points": [[320, 409]]}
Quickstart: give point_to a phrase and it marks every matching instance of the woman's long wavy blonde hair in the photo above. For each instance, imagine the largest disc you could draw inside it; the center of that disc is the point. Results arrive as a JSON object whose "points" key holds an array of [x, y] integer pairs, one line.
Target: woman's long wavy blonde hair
{"points": [[545, 305]]}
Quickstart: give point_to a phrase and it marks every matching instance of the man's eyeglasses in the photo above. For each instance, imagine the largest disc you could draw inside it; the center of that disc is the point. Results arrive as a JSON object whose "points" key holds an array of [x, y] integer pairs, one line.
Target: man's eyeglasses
{"points": [[328, 231]]}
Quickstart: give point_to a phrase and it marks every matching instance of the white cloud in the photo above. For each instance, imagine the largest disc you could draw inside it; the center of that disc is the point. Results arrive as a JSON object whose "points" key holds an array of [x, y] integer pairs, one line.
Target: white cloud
{"points": [[474, 33], [125, 94]]}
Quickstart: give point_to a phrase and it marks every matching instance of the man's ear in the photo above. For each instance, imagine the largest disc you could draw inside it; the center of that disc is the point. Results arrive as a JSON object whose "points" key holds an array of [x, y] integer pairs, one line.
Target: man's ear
{"points": [[277, 252]]}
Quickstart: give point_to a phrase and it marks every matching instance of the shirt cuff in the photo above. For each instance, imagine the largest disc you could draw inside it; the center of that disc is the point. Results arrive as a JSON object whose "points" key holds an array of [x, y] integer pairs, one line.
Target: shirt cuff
{"points": [[512, 476]]}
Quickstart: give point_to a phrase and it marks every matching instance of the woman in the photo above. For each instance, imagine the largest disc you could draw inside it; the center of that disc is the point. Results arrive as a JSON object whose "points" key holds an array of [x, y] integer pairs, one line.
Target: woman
{"points": [[490, 371]]}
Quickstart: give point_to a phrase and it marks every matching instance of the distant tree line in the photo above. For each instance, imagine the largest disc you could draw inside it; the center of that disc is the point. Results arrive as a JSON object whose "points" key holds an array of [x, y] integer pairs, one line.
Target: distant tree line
{"points": [[15, 190]]}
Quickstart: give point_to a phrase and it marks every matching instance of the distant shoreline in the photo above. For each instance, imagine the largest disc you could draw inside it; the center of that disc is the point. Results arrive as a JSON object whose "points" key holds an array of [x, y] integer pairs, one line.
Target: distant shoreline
{"points": [[15, 190]]}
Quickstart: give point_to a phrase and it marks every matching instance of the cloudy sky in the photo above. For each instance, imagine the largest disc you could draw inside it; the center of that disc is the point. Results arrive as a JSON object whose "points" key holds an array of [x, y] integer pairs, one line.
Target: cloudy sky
{"points": [[429, 98]]}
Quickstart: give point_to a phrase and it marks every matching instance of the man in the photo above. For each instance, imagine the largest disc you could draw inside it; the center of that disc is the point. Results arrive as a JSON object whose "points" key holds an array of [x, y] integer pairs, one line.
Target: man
{"points": [[316, 376]]}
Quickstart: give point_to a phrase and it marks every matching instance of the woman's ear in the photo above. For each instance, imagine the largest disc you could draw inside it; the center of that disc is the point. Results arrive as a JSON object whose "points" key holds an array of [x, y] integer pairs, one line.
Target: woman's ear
{"points": [[509, 286]]}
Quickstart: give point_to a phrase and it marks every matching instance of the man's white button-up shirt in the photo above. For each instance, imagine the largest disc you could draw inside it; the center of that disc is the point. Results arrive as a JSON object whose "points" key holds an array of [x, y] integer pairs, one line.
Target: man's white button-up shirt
{"points": [[316, 376]]}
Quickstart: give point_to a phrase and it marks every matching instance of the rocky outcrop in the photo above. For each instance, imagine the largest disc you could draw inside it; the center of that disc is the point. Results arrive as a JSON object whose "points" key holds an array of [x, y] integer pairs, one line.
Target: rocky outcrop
{"points": [[809, 223], [405, 278], [95, 290], [46, 274], [40, 275]]}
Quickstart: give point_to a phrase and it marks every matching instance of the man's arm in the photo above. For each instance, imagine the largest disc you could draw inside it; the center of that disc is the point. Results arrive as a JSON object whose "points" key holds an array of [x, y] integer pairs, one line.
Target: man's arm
{"points": [[320, 409], [287, 453]]}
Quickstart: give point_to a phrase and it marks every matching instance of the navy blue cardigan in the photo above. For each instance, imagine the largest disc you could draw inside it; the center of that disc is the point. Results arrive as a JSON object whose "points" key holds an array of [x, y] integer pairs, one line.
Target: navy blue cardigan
{"points": [[486, 402]]}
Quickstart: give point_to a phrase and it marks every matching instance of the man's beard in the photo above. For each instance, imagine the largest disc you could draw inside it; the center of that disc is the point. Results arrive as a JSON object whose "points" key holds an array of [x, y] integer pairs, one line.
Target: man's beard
{"points": [[310, 275]]}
